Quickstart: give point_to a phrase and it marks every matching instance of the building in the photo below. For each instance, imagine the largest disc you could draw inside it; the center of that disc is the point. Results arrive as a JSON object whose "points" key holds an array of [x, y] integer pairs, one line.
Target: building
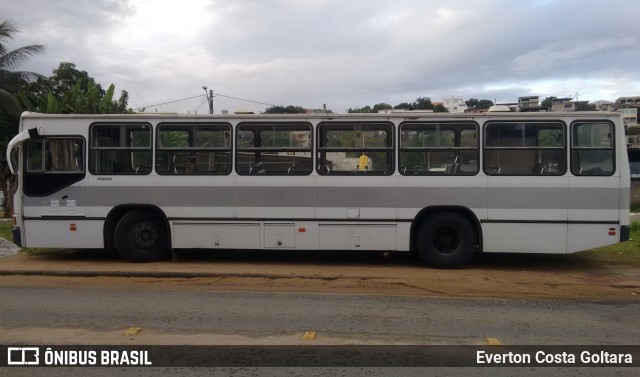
{"points": [[529, 103], [563, 104], [603, 105], [629, 116], [628, 106], [476, 110], [455, 104], [628, 101]]}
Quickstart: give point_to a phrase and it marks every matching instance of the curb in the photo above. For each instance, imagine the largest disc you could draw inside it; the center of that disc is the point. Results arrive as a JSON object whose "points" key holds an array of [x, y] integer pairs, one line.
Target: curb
{"points": [[165, 275]]}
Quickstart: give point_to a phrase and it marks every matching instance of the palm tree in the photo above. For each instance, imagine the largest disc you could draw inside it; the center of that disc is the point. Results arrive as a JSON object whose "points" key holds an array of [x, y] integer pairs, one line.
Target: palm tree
{"points": [[10, 84], [11, 80]]}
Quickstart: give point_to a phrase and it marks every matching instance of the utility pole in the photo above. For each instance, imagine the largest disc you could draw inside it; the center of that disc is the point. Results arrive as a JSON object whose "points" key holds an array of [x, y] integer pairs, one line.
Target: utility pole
{"points": [[209, 98]]}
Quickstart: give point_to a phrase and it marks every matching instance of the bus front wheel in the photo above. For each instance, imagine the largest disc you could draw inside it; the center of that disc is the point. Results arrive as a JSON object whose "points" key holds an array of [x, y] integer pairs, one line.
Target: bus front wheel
{"points": [[446, 240], [141, 237]]}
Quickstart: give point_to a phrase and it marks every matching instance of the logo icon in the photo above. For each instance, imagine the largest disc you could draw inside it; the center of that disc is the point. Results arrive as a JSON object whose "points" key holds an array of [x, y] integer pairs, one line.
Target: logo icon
{"points": [[23, 356]]}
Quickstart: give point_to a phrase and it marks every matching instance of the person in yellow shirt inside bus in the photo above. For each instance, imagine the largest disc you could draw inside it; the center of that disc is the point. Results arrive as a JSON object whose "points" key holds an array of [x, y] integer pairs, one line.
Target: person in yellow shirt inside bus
{"points": [[363, 163]]}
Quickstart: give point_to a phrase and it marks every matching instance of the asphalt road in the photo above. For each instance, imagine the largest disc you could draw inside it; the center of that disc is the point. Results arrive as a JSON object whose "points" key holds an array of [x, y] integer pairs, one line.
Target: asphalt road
{"points": [[66, 311], [279, 318]]}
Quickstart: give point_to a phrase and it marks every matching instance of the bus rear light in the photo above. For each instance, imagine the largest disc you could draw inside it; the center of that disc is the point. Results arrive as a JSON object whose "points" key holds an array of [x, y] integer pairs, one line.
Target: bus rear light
{"points": [[14, 220], [612, 231], [73, 227]]}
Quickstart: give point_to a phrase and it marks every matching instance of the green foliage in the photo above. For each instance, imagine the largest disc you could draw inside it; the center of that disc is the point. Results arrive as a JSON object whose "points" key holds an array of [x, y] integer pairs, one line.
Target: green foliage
{"points": [[484, 104], [402, 106], [421, 103], [58, 94], [439, 108], [632, 130], [366, 109], [381, 106], [474, 103], [11, 80], [547, 103], [584, 106], [285, 110]]}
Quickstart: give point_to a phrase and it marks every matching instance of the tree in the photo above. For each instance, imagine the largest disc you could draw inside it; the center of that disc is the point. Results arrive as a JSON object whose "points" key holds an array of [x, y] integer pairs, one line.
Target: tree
{"points": [[547, 103], [366, 109], [439, 108], [71, 91], [471, 103], [585, 106], [403, 106], [484, 104], [381, 106], [64, 78], [474, 103], [285, 110], [422, 103], [11, 80]]}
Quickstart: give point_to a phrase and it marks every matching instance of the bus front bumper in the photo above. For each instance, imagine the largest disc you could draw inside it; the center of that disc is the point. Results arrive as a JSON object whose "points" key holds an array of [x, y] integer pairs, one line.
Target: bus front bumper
{"points": [[625, 233], [17, 236]]}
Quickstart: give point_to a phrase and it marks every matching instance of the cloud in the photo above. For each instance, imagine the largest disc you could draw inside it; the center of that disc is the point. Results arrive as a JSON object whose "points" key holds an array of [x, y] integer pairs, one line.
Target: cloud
{"points": [[568, 53], [344, 54]]}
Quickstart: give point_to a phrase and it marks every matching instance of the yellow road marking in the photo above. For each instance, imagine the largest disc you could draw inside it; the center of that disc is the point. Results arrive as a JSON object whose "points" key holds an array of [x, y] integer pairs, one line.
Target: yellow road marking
{"points": [[494, 342], [133, 331], [309, 335]]}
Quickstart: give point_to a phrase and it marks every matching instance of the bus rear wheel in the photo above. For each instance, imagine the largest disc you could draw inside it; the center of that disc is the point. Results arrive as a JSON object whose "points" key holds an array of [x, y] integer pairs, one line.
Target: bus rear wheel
{"points": [[446, 240], [141, 237]]}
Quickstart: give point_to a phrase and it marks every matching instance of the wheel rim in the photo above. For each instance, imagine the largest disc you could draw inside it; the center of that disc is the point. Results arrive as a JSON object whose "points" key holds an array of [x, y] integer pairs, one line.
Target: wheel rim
{"points": [[446, 240], [144, 235]]}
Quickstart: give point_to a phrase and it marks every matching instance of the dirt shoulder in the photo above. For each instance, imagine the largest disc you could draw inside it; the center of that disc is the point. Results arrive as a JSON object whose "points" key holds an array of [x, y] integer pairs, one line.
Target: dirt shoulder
{"points": [[578, 276]]}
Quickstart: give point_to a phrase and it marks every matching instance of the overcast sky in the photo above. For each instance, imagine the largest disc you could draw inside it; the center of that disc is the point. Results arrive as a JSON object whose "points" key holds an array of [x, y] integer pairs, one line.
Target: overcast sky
{"points": [[342, 53]]}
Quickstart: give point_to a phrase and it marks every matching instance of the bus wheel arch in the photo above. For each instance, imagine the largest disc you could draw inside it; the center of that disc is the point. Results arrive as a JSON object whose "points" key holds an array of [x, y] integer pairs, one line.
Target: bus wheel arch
{"points": [[446, 236], [140, 233]]}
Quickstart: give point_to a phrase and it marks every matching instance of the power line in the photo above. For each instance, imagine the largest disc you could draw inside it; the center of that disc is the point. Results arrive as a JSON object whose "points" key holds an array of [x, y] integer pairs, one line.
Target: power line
{"points": [[201, 95], [166, 103], [242, 99]]}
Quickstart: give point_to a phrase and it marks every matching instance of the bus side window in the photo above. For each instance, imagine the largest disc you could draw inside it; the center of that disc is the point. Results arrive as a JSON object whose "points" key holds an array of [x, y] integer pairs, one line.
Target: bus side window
{"points": [[53, 163], [120, 148], [355, 148], [524, 148], [592, 149]]}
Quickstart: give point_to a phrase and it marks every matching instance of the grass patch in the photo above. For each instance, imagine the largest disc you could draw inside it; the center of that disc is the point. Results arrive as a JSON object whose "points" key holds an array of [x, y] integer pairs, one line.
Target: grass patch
{"points": [[6, 230], [623, 253]]}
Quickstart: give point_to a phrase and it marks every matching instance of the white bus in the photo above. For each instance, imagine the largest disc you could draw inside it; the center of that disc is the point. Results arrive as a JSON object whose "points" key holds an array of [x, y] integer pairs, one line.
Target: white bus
{"points": [[442, 185]]}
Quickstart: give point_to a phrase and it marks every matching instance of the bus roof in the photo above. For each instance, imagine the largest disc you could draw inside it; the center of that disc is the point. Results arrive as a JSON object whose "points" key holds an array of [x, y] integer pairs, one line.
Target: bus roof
{"points": [[402, 115]]}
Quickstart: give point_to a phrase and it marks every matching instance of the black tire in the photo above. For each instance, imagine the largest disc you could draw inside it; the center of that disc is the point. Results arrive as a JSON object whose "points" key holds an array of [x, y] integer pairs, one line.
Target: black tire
{"points": [[446, 240], [141, 236]]}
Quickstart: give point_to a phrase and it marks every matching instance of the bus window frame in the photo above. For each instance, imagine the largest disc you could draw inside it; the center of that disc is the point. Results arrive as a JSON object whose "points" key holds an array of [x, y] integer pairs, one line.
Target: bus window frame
{"points": [[192, 150], [131, 150], [613, 147], [75, 176], [258, 150], [476, 148], [390, 150], [486, 149]]}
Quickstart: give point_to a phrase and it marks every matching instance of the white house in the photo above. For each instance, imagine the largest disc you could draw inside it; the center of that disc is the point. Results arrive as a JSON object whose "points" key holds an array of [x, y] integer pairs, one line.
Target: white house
{"points": [[455, 104]]}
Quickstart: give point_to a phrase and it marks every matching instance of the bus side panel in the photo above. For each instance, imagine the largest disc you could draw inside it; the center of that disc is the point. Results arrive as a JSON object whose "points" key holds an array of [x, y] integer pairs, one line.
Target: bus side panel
{"points": [[593, 212], [56, 233], [347, 236], [527, 214], [213, 235], [524, 238]]}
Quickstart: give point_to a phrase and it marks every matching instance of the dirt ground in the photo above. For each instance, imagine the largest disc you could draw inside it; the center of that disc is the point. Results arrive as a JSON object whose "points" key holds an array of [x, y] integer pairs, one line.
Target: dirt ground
{"points": [[576, 276]]}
